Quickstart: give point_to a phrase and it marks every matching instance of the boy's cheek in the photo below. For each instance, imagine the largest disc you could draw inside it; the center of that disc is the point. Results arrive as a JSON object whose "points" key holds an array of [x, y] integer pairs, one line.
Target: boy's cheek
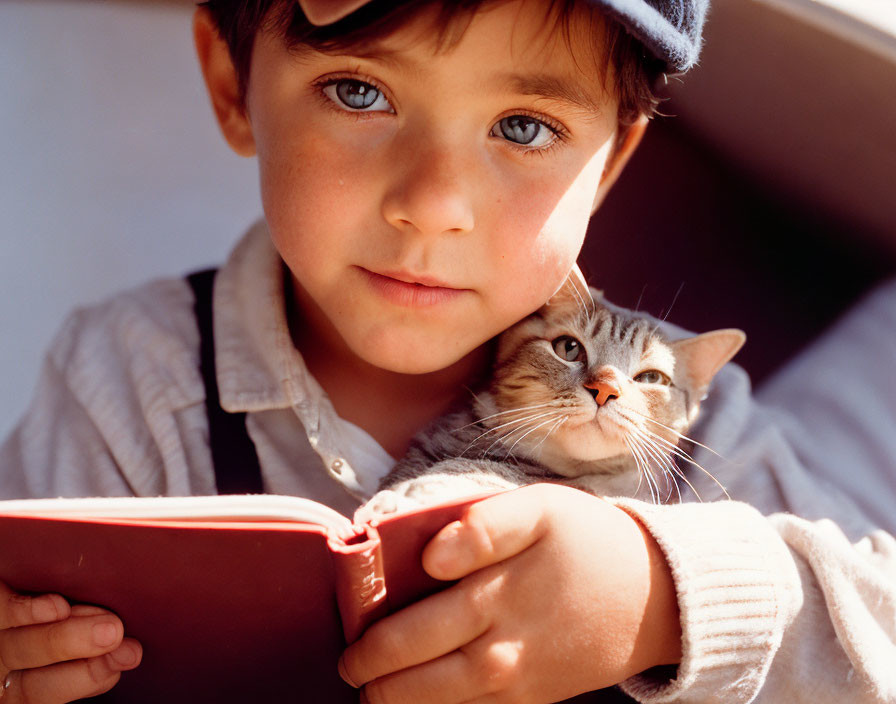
{"points": [[552, 212], [578, 199], [299, 198]]}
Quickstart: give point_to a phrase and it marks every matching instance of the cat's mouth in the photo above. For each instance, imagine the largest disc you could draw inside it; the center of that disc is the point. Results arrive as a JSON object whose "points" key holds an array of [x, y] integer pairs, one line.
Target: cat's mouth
{"points": [[602, 428], [608, 420]]}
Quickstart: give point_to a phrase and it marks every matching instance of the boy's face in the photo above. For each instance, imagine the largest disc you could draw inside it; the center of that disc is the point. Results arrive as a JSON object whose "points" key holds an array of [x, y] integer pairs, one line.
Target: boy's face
{"points": [[426, 201]]}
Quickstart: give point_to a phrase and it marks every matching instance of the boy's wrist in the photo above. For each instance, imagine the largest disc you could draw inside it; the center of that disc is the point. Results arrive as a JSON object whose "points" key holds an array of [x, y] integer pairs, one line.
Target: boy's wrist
{"points": [[659, 640]]}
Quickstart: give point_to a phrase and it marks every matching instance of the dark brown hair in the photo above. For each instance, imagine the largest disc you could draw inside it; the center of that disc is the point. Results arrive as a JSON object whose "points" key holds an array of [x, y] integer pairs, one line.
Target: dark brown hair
{"points": [[634, 71]]}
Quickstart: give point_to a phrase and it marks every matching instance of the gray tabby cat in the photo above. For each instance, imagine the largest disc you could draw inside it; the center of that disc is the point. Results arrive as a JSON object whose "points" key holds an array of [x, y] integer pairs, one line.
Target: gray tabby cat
{"points": [[583, 393]]}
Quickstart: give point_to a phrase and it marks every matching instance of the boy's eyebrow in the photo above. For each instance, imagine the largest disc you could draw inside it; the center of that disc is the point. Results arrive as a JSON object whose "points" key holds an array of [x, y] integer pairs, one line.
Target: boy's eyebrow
{"points": [[541, 85], [551, 87]]}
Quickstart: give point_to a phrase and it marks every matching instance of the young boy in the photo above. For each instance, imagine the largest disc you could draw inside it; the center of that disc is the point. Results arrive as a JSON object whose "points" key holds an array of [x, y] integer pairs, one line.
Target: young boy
{"points": [[427, 173]]}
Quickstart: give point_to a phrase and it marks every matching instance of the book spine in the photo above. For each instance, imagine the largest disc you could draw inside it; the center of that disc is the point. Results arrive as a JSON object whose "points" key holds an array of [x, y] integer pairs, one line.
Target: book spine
{"points": [[360, 583]]}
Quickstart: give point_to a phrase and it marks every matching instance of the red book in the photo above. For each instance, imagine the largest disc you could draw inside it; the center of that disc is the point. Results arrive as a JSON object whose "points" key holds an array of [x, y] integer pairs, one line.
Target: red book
{"points": [[234, 598]]}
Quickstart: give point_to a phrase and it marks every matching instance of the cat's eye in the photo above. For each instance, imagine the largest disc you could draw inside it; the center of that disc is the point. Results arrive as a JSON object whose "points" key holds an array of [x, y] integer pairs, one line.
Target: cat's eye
{"points": [[569, 349], [653, 376]]}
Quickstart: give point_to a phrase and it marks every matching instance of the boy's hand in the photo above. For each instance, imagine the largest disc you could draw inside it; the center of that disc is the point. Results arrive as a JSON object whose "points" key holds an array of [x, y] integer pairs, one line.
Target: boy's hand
{"points": [[562, 593], [51, 652]]}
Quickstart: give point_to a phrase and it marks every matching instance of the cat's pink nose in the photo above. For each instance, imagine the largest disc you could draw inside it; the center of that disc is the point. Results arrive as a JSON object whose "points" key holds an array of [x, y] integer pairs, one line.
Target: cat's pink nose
{"points": [[603, 391]]}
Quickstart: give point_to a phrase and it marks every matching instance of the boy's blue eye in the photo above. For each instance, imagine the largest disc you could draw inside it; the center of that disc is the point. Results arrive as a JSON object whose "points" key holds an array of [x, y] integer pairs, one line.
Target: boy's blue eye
{"points": [[357, 95], [523, 130]]}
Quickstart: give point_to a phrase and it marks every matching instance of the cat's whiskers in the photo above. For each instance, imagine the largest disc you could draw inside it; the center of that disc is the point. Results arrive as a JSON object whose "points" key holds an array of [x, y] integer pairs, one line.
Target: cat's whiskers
{"points": [[677, 434], [666, 464], [523, 426], [664, 461], [523, 419], [678, 452], [649, 442], [527, 433], [648, 475], [638, 463], [581, 296], [640, 473], [672, 468], [637, 459], [560, 421], [653, 476], [644, 468], [559, 412], [674, 298], [522, 422], [504, 413]]}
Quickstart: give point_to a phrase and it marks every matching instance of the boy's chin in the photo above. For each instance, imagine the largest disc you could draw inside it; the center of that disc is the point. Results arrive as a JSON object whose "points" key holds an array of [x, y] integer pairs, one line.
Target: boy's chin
{"points": [[404, 360], [413, 366]]}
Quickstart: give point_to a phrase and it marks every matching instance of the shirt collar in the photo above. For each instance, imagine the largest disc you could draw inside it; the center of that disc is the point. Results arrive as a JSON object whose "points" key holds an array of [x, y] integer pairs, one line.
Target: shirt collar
{"points": [[257, 366]]}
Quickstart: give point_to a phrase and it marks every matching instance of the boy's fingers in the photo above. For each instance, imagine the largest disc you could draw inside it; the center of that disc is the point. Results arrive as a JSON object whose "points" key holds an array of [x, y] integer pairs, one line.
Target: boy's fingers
{"points": [[443, 681], [490, 531], [421, 632], [484, 671], [44, 644], [88, 610], [126, 656], [77, 679], [18, 610], [68, 681]]}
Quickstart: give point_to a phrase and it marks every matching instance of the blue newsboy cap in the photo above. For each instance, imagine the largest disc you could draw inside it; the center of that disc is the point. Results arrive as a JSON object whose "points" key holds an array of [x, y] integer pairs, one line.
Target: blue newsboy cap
{"points": [[672, 30]]}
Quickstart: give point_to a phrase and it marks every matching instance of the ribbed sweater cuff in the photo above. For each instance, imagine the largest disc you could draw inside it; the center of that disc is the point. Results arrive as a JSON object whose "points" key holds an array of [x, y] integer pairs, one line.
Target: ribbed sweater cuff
{"points": [[735, 581]]}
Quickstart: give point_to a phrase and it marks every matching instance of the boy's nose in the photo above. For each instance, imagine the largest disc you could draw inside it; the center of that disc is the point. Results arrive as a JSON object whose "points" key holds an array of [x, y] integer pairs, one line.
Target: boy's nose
{"points": [[430, 193]]}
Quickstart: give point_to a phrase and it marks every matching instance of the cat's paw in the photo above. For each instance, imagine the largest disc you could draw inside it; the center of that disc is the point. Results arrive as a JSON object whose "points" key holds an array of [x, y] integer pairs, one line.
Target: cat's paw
{"points": [[384, 503], [427, 491]]}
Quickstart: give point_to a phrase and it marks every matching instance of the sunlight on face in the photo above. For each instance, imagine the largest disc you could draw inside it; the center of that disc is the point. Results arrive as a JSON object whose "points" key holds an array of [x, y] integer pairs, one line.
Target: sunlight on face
{"points": [[425, 201]]}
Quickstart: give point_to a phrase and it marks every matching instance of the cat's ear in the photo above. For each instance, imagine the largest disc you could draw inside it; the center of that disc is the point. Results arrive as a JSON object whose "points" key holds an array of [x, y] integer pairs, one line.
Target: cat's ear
{"points": [[574, 292], [699, 358]]}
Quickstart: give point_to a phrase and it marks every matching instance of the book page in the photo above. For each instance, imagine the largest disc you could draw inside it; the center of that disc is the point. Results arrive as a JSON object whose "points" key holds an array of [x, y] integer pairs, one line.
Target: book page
{"points": [[227, 509]]}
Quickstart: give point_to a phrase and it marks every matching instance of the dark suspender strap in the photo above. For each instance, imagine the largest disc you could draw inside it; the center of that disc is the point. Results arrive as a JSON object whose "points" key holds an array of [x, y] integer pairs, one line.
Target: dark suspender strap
{"points": [[237, 470]]}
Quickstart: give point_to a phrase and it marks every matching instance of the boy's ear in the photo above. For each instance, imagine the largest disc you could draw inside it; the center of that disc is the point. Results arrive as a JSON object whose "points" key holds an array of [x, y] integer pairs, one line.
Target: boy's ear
{"points": [[616, 163], [222, 83]]}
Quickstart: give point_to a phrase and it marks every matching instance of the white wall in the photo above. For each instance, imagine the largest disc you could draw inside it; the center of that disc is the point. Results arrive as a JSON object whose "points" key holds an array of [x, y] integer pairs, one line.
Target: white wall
{"points": [[113, 170]]}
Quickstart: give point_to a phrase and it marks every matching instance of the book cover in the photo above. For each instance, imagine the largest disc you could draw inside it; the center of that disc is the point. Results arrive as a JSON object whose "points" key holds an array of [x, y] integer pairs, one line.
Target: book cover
{"points": [[234, 599]]}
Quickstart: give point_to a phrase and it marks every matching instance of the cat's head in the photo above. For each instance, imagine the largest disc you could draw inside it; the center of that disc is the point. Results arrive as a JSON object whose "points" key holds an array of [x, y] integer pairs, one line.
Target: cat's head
{"points": [[582, 381]]}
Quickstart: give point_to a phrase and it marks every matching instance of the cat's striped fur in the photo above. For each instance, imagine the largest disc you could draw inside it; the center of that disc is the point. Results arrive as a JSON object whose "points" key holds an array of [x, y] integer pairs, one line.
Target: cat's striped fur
{"points": [[582, 393]]}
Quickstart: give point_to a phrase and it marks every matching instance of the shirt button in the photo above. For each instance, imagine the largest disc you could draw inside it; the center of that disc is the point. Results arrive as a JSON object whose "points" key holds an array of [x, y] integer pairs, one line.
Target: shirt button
{"points": [[336, 466]]}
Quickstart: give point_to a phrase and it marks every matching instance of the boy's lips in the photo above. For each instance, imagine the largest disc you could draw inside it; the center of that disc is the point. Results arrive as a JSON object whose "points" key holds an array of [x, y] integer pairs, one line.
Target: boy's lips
{"points": [[416, 279], [412, 290]]}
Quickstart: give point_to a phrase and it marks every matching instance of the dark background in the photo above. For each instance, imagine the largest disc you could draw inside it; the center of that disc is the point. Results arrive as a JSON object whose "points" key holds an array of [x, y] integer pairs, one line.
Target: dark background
{"points": [[768, 200], [685, 229]]}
